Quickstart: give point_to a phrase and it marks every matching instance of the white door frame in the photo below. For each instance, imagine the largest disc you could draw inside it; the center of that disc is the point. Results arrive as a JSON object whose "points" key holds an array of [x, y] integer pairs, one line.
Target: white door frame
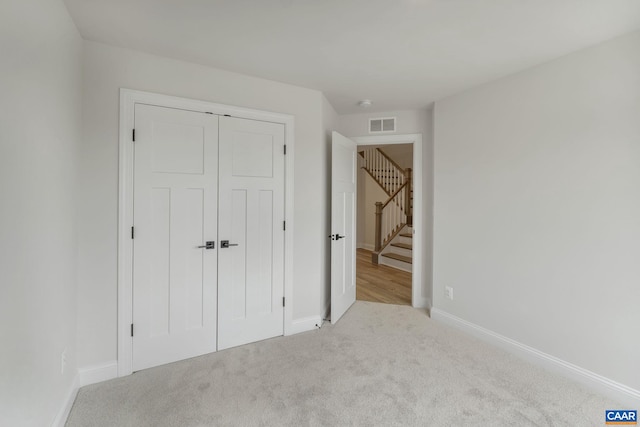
{"points": [[417, 299], [128, 99]]}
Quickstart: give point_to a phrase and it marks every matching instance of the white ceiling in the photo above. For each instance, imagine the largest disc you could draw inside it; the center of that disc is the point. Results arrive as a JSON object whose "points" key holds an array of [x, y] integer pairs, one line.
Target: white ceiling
{"points": [[402, 54]]}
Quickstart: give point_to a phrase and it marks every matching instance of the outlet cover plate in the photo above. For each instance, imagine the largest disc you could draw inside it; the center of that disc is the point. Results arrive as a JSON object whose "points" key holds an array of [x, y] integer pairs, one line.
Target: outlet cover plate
{"points": [[448, 292]]}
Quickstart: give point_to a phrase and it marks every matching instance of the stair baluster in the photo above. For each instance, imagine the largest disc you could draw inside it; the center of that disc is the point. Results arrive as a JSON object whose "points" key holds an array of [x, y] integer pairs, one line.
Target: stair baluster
{"points": [[397, 210]]}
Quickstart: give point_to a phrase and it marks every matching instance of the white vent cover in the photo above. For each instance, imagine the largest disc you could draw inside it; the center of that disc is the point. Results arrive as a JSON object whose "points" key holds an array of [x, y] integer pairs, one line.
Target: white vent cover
{"points": [[382, 124]]}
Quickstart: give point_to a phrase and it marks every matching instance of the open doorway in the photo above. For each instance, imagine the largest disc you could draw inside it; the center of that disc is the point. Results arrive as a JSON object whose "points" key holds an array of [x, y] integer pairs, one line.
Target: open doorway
{"points": [[384, 260]]}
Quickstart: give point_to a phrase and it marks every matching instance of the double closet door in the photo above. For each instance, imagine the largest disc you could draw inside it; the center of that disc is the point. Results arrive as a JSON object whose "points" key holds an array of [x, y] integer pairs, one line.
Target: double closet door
{"points": [[208, 248]]}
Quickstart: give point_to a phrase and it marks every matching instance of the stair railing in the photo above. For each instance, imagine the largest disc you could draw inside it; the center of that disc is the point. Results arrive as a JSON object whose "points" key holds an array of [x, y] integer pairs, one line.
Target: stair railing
{"points": [[387, 173], [390, 218], [397, 211]]}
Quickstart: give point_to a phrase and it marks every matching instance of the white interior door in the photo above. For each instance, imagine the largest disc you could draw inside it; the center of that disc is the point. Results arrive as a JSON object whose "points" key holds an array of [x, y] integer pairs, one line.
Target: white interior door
{"points": [[343, 225], [175, 214], [251, 215]]}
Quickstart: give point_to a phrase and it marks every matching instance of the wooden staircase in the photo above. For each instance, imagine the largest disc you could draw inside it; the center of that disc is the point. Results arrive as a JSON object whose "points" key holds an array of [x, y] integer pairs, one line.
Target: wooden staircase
{"points": [[399, 252], [394, 217]]}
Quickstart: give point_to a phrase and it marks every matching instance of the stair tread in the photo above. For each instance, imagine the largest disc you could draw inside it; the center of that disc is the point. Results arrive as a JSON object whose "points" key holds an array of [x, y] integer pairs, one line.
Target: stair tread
{"points": [[406, 235], [393, 255], [403, 245]]}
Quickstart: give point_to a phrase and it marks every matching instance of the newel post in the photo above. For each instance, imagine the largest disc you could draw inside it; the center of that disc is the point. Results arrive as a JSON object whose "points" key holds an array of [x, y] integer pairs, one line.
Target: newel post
{"points": [[408, 199], [378, 242]]}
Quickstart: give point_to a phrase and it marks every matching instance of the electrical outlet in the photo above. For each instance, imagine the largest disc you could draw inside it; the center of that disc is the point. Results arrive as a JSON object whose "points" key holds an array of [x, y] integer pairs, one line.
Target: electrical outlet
{"points": [[63, 361], [448, 292]]}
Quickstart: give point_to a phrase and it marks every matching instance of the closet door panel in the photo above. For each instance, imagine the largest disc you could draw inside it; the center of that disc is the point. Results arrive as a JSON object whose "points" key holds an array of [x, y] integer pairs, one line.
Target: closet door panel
{"points": [[175, 213], [251, 215]]}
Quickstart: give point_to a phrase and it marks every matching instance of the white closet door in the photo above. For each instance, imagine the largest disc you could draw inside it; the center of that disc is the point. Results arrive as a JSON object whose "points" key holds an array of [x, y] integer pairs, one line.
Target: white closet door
{"points": [[251, 214], [175, 213]]}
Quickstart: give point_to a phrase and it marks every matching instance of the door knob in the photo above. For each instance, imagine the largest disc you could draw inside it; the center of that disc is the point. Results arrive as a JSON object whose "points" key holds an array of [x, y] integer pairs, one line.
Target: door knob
{"points": [[226, 244], [208, 245]]}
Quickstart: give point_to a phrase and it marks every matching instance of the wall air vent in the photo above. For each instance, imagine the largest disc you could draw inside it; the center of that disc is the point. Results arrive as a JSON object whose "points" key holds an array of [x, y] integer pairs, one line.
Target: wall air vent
{"points": [[382, 125]]}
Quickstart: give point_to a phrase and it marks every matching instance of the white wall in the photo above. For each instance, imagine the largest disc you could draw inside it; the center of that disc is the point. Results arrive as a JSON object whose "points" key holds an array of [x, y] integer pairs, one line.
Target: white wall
{"points": [[537, 208], [369, 192], [402, 154], [408, 122], [40, 82], [107, 69]]}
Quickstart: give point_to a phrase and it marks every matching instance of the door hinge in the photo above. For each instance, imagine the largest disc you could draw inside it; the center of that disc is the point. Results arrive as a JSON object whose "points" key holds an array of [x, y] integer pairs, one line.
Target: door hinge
{"points": [[285, 149], [284, 225], [283, 301], [133, 135], [132, 233], [132, 329]]}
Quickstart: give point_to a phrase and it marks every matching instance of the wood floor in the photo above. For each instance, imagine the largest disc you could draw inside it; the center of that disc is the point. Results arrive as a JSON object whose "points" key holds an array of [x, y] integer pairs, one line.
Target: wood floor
{"points": [[379, 283]]}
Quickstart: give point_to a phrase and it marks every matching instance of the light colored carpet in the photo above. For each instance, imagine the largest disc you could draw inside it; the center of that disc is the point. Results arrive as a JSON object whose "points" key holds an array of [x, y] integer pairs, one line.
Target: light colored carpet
{"points": [[381, 365]]}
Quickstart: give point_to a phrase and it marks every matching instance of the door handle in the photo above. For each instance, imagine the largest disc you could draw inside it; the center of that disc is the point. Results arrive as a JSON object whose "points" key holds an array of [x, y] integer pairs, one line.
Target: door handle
{"points": [[225, 244], [336, 237], [209, 245]]}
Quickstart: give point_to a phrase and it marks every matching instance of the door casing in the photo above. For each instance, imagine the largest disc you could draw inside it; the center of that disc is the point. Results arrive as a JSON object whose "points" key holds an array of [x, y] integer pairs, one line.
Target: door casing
{"points": [[128, 99], [417, 299]]}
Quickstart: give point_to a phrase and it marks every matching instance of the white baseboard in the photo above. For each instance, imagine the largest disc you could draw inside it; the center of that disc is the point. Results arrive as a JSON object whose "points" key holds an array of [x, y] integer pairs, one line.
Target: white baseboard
{"points": [[98, 373], [305, 324], [365, 246], [61, 419], [602, 385]]}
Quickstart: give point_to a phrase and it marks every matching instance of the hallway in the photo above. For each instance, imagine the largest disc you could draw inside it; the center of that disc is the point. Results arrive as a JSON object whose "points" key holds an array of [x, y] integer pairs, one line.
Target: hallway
{"points": [[379, 283]]}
